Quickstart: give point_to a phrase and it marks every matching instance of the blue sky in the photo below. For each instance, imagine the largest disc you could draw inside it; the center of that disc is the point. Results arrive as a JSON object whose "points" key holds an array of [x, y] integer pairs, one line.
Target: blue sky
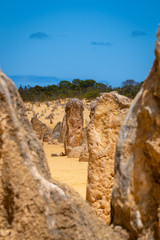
{"points": [[108, 41]]}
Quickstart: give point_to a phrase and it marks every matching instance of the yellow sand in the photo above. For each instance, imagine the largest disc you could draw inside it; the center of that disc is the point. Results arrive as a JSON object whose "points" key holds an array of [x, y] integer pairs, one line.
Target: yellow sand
{"points": [[43, 111], [67, 170]]}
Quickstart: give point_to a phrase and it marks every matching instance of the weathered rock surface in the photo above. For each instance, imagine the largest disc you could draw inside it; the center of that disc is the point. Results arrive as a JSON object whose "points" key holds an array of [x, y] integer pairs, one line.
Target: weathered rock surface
{"points": [[74, 124], [59, 154], [41, 130], [57, 130], [84, 154], [136, 192], [81, 151], [107, 115], [75, 152], [63, 130], [92, 108], [39, 127], [32, 205]]}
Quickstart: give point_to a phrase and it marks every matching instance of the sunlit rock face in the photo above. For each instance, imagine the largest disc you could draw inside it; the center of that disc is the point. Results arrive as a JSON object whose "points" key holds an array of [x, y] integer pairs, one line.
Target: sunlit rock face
{"points": [[62, 130], [42, 131], [84, 155], [136, 193], [74, 124], [57, 130], [32, 205], [107, 115]]}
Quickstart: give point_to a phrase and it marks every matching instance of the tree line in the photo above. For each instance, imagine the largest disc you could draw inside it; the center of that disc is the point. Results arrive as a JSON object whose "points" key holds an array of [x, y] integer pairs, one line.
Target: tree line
{"points": [[88, 89]]}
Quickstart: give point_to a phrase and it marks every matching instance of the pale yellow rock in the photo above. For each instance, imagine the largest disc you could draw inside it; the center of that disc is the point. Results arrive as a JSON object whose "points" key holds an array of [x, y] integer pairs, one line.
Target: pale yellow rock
{"points": [[33, 206], [42, 131], [136, 192], [74, 124], [107, 115]]}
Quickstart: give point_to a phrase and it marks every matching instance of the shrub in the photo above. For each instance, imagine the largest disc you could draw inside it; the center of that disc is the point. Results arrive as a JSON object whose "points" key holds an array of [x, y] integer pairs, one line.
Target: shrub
{"points": [[91, 95]]}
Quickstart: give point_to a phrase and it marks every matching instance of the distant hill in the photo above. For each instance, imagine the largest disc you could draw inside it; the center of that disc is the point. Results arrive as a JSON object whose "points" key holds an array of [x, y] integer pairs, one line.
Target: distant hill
{"points": [[32, 80]]}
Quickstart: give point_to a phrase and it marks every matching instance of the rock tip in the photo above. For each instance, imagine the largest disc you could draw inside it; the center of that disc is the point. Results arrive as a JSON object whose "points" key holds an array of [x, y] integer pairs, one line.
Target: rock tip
{"points": [[157, 45]]}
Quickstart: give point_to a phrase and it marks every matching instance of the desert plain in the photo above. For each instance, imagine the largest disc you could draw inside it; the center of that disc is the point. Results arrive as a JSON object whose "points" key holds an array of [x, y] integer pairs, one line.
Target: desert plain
{"points": [[62, 168]]}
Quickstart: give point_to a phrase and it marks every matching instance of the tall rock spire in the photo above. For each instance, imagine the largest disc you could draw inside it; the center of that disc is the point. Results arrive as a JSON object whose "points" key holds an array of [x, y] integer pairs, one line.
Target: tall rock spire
{"points": [[136, 192], [33, 206]]}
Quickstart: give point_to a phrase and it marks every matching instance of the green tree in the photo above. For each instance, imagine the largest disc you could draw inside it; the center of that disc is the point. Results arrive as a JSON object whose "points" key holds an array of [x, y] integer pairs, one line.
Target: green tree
{"points": [[64, 84], [130, 82]]}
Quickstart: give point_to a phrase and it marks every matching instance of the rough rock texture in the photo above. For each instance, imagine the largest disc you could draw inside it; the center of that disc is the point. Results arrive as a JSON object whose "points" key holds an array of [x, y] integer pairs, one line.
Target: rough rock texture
{"points": [[56, 130], [57, 154], [84, 154], [81, 151], [32, 205], [51, 120], [92, 108], [107, 116], [63, 130], [136, 193], [41, 130], [74, 124], [39, 127], [48, 137], [75, 152]]}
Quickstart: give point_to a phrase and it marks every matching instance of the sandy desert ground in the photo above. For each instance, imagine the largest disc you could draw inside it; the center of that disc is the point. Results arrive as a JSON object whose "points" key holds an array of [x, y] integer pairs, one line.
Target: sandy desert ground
{"points": [[64, 169]]}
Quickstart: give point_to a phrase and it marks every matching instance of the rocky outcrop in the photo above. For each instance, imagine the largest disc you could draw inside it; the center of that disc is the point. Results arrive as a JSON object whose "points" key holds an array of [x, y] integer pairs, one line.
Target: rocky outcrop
{"points": [[75, 152], [48, 137], [74, 124], [59, 154], [32, 205], [56, 130], [62, 130], [42, 130], [81, 151], [136, 192], [107, 115], [92, 108], [84, 155], [39, 127]]}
